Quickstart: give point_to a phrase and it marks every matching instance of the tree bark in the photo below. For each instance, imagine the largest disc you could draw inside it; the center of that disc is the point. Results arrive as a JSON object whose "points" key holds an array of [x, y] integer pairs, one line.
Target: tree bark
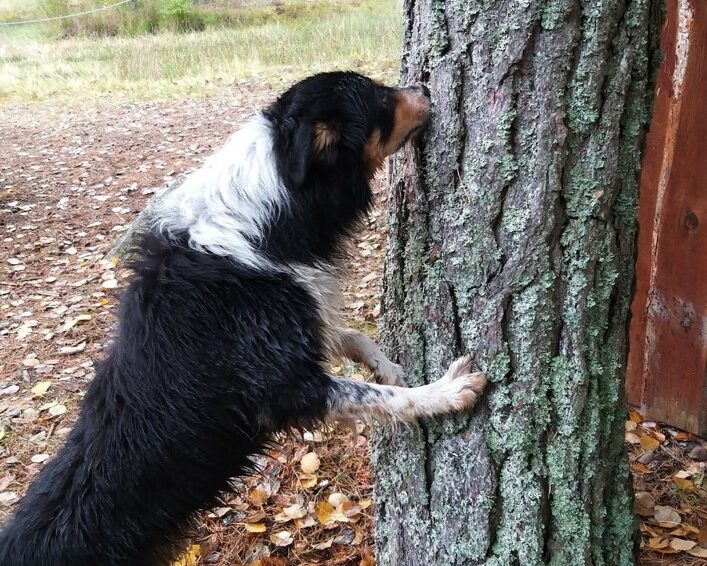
{"points": [[512, 231]]}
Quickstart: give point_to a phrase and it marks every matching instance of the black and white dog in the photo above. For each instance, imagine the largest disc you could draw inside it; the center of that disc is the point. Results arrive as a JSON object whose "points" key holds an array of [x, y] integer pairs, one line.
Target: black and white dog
{"points": [[225, 330]]}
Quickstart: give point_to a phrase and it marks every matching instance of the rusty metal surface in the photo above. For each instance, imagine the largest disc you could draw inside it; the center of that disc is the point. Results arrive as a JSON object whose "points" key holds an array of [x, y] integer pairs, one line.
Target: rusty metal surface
{"points": [[668, 355]]}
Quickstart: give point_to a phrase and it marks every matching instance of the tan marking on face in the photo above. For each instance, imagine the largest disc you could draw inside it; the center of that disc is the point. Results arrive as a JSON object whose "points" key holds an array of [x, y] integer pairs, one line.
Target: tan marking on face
{"points": [[411, 111], [324, 136]]}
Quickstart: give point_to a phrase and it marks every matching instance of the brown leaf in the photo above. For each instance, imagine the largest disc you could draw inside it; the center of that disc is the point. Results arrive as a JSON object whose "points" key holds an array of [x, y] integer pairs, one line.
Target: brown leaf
{"points": [[648, 442], [666, 516], [697, 551], [654, 543], [644, 504], [258, 496]]}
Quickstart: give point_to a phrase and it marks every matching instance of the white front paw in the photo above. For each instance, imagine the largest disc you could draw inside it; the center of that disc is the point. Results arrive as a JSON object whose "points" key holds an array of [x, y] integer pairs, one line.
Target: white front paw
{"points": [[461, 386]]}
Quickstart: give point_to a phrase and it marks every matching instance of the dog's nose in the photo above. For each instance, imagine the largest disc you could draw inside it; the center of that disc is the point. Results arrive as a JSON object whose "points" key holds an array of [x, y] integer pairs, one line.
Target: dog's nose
{"points": [[419, 89]]}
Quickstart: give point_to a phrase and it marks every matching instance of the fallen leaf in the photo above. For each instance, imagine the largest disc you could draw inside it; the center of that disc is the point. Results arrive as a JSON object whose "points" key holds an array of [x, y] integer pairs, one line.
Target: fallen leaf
{"points": [[325, 511], [682, 544], [683, 484], [258, 496], [640, 468], [337, 499], [39, 458], [644, 504], [648, 442], [6, 481], [190, 558], [636, 417], [255, 527], [310, 463], [666, 516], [80, 347], [632, 438], [8, 497], [308, 481], [69, 324], [57, 410], [41, 388], [323, 545], [282, 538], [697, 551]]}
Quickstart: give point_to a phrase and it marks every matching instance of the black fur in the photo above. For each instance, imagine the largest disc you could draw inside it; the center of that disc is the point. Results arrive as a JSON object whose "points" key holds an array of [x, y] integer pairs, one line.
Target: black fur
{"points": [[209, 360]]}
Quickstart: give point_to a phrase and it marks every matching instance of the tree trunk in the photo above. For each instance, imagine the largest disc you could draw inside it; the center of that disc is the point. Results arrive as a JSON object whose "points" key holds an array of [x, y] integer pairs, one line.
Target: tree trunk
{"points": [[512, 237]]}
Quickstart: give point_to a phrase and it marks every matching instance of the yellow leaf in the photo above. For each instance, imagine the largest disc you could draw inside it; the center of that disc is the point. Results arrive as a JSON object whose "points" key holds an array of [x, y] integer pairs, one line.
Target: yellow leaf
{"points": [[310, 463], [308, 481], [325, 511], [649, 443], [41, 388], [190, 558], [697, 551], [682, 483], [255, 527], [636, 417]]}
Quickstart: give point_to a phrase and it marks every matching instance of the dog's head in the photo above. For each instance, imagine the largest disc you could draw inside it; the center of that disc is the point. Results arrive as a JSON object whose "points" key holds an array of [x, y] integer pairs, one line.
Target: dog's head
{"points": [[345, 122]]}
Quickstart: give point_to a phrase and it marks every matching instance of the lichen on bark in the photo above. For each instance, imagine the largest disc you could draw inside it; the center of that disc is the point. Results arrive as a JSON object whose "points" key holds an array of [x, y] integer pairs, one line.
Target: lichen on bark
{"points": [[511, 237]]}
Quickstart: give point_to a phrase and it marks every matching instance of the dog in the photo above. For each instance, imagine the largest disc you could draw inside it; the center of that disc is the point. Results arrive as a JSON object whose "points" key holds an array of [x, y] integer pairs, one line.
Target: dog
{"points": [[225, 330]]}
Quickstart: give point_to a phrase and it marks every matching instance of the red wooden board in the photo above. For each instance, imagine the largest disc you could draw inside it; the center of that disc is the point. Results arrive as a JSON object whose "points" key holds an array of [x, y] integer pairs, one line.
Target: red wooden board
{"points": [[668, 336]]}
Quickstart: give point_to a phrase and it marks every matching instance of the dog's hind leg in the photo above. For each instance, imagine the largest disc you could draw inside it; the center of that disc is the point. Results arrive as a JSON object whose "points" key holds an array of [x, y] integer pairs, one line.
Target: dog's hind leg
{"points": [[360, 348], [456, 391]]}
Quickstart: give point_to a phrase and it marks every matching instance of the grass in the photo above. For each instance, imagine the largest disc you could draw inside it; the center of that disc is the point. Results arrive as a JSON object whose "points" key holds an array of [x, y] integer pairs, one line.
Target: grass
{"points": [[265, 44]]}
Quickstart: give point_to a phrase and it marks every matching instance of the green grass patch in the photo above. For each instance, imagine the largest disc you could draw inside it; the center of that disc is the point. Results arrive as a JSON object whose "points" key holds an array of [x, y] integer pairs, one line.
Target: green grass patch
{"points": [[275, 43]]}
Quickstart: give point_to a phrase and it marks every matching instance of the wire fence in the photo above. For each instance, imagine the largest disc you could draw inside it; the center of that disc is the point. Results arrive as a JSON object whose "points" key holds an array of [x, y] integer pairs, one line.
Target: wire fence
{"points": [[67, 16]]}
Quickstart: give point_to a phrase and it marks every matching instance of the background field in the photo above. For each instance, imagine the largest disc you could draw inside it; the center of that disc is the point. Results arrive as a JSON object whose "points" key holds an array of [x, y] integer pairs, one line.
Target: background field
{"points": [[273, 43]]}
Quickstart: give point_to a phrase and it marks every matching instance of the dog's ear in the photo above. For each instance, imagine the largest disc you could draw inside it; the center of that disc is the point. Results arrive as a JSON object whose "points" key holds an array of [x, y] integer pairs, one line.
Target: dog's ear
{"points": [[304, 143], [296, 149], [325, 137]]}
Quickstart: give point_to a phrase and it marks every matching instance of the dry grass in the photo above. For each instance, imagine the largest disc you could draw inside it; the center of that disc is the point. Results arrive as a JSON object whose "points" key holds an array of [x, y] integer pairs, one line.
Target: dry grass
{"points": [[278, 49]]}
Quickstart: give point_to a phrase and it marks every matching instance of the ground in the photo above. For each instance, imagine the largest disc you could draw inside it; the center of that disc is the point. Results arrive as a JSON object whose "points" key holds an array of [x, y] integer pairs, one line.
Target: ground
{"points": [[72, 178]]}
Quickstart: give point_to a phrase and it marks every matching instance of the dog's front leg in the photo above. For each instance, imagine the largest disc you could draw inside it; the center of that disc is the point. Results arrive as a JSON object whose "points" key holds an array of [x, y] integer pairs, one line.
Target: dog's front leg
{"points": [[456, 391], [360, 348]]}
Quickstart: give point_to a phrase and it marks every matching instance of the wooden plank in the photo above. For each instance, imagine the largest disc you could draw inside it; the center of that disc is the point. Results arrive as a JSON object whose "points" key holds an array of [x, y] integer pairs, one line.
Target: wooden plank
{"points": [[667, 364]]}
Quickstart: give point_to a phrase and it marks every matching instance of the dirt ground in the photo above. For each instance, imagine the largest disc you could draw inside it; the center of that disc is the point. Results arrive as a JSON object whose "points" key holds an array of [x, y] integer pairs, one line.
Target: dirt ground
{"points": [[72, 178]]}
